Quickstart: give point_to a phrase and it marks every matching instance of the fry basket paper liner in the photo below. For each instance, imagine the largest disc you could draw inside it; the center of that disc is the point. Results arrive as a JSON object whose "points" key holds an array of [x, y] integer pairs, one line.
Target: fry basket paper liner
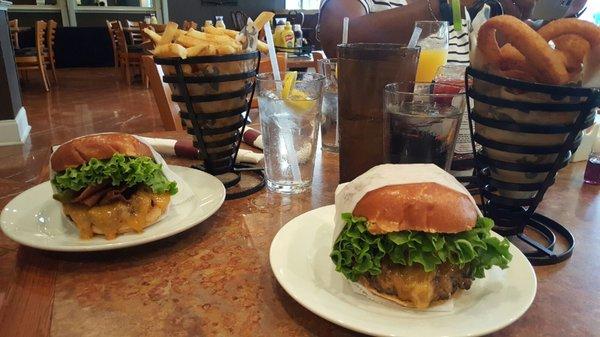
{"points": [[197, 89], [349, 194]]}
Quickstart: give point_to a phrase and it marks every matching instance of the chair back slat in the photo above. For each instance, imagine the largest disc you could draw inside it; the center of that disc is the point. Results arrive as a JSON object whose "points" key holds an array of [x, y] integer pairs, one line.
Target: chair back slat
{"points": [[119, 36], [14, 36], [239, 19], [135, 35], [40, 36], [187, 25], [51, 35]]}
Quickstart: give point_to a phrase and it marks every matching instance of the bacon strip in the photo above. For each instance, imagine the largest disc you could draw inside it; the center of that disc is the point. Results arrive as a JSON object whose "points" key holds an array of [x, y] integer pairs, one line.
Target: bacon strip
{"points": [[100, 194]]}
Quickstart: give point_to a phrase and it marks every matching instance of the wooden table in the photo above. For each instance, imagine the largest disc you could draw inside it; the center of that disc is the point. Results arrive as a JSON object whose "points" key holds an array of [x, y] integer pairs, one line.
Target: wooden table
{"points": [[215, 279], [294, 62]]}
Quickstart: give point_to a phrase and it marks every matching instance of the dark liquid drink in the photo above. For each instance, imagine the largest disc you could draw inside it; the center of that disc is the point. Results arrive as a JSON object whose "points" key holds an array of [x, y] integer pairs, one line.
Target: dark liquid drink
{"points": [[414, 147], [592, 171], [421, 125], [363, 71]]}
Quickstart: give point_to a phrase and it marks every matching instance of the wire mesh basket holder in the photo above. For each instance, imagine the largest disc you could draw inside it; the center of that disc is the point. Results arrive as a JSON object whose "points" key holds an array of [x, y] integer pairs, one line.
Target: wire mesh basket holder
{"points": [[218, 156], [511, 214]]}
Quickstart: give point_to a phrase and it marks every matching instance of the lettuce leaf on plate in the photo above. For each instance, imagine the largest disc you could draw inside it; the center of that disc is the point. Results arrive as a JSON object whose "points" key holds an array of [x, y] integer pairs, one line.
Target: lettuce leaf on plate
{"points": [[357, 252], [118, 170]]}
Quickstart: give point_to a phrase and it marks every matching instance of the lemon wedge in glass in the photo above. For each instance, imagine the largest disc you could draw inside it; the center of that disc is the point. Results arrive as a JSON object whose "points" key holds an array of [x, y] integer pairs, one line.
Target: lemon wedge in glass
{"points": [[294, 98]]}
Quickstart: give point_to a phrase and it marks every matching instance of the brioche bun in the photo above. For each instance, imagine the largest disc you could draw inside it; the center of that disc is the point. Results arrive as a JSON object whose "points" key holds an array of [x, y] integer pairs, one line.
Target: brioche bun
{"points": [[424, 207], [80, 150]]}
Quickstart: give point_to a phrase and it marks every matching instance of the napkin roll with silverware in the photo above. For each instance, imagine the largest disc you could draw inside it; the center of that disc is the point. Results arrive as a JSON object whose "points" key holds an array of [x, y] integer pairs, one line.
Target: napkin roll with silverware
{"points": [[186, 149]]}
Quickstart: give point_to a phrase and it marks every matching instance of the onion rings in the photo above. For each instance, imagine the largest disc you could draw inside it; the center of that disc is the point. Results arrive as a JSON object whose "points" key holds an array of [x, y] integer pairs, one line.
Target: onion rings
{"points": [[549, 65], [574, 47], [586, 30]]}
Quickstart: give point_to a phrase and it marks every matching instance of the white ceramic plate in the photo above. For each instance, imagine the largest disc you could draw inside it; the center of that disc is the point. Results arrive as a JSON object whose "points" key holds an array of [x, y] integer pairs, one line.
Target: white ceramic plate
{"points": [[34, 219], [300, 260]]}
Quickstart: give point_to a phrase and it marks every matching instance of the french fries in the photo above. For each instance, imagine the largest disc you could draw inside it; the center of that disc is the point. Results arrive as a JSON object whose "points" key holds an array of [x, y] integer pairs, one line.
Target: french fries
{"points": [[170, 50], [188, 41], [169, 34], [176, 42], [221, 31], [155, 37], [262, 47], [221, 39], [262, 19]]}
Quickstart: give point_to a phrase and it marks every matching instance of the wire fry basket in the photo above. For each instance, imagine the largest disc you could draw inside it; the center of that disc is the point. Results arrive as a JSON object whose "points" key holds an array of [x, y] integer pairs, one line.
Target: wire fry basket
{"points": [[527, 133], [214, 94]]}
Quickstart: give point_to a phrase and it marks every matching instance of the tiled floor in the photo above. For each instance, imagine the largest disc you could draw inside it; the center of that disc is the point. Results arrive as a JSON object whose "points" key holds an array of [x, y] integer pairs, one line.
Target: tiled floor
{"points": [[85, 101]]}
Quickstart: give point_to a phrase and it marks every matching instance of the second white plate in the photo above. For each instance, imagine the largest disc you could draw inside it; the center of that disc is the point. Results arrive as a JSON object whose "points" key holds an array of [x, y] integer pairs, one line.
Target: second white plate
{"points": [[34, 219], [300, 260]]}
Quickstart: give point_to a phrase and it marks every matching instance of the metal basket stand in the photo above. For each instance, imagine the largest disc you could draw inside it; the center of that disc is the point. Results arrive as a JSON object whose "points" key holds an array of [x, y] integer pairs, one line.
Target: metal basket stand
{"points": [[513, 215], [218, 157]]}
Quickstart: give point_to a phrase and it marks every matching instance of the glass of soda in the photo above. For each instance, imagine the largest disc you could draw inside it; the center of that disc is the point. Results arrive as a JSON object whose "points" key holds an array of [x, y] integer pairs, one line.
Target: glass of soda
{"points": [[421, 122], [330, 136], [289, 126]]}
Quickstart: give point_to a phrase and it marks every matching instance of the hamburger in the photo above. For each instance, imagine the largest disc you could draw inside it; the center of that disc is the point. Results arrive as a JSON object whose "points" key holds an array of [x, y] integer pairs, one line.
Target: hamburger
{"points": [[109, 184], [413, 235]]}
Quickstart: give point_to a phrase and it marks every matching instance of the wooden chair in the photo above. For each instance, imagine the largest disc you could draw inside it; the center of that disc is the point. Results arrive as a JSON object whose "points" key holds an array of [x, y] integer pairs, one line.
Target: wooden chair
{"points": [[14, 36], [49, 58], [127, 58], [113, 40], [168, 110], [135, 35], [187, 25], [33, 58], [239, 19]]}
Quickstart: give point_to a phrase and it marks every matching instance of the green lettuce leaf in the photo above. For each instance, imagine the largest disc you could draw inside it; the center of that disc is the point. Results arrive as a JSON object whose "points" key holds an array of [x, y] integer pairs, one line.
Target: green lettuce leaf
{"points": [[118, 170], [357, 252]]}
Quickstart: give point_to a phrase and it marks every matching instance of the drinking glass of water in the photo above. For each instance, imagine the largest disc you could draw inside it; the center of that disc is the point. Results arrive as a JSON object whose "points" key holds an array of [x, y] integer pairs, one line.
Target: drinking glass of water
{"points": [[330, 136], [290, 114]]}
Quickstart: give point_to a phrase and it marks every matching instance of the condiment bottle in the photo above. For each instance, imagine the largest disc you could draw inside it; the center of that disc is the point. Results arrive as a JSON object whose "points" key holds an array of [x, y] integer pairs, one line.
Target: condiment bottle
{"points": [[220, 23], [279, 27], [592, 170], [298, 35], [287, 36]]}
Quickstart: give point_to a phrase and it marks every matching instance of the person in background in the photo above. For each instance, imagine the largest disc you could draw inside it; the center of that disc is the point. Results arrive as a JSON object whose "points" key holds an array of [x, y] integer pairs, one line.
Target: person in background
{"points": [[393, 22]]}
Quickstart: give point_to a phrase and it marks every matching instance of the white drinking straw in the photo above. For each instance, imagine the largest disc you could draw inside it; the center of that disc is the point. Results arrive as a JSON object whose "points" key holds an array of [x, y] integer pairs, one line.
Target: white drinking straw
{"points": [[345, 30], [273, 55], [415, 37], [285, 135]]}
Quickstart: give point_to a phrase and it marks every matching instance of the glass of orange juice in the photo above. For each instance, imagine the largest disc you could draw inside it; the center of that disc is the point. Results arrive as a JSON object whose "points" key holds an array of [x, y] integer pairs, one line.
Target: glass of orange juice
{"points": [[434, 48]]}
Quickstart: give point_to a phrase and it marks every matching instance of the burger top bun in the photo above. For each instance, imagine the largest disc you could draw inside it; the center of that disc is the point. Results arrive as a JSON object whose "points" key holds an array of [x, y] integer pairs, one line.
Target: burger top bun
{"points": [[79, 151], [427, 176], [424, 207]]}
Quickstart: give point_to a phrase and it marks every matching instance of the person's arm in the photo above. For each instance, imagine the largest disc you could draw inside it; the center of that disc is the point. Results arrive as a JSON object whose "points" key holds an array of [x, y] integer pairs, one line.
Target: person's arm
{"points": [[391, 26]]}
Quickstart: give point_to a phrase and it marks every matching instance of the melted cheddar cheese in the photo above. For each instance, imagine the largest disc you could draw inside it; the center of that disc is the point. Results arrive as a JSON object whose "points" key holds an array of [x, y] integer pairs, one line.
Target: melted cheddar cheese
{"points": [[413, 284], [141, 210]]}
